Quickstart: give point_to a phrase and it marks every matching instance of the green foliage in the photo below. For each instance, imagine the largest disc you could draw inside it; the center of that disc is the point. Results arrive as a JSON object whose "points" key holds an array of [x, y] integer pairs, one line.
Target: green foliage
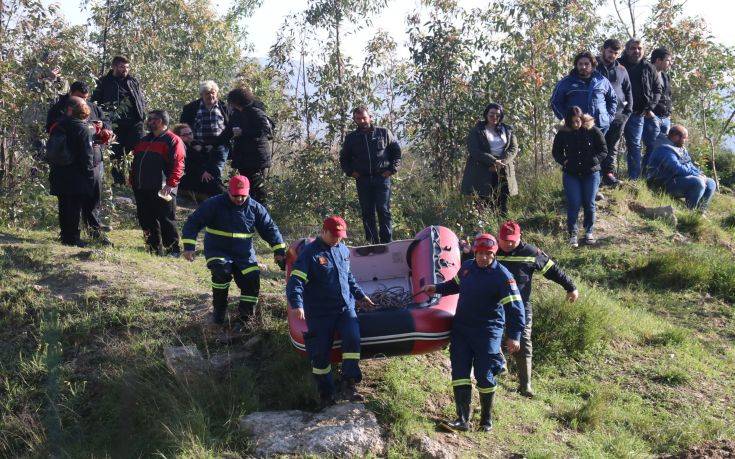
{"points": [[702, 268]]}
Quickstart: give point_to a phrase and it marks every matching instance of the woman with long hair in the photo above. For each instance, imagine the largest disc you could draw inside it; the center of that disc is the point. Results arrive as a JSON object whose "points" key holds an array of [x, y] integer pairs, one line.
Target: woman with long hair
{"points": [[579, 147]]}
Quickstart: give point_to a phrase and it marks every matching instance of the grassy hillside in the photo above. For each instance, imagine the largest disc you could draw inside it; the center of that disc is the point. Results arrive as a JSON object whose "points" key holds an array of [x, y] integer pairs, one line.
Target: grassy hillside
{"points": [[643, 364]]}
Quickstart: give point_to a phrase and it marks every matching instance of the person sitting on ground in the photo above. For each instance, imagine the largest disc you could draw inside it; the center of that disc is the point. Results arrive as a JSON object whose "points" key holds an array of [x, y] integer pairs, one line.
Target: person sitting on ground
{"points": [[489, 302], [671, 168], [580, 147], [490, 170], [201, 175], [229, 222], [523, 260], [322, 291]]}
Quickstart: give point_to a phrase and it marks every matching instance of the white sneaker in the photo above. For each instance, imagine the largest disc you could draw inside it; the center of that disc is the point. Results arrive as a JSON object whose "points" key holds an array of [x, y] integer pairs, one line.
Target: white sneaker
{"points": [[573, 241], [589, 238]]}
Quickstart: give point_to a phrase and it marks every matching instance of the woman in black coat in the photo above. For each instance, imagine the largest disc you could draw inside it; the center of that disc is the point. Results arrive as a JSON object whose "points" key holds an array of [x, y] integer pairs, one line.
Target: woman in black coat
{"points": [[74, 184], [579, 147]]}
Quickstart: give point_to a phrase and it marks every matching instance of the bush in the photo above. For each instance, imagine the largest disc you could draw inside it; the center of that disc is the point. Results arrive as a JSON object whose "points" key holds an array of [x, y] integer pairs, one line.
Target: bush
{"points": [[707, 269], [562, 329]]}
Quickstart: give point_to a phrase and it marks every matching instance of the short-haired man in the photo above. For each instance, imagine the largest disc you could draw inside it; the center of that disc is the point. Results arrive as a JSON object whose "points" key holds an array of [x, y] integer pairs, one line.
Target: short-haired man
{"points": [[101, 136], [120, 96], [158, 164], [610, 68], [670, 167], [230, 221], [322, 290], [660, 122], [587, 89], [207, 117], [646, 86], [523, 260], [371, 155]]}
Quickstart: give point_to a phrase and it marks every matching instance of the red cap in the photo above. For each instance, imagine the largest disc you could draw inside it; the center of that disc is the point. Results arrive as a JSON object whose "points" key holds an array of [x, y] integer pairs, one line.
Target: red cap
{"points": [[335, 225], [485, 243], [239, 186], [510, 231]]}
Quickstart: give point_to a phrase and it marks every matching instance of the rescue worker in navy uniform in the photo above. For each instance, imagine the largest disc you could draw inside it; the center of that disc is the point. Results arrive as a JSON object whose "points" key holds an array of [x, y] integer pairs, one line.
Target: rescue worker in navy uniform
{"points": [[489, 301], [523, 260], [229, 221], [322, 290]]}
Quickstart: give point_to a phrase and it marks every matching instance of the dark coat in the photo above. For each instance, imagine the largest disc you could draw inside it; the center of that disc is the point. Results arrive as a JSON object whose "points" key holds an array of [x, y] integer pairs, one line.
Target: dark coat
{"points": [[58, 111], [107, 95], [645, 82], [189, 113], [477, 175], [663, 107], [580, 151], [252, 149], [620, 81], [370, 153], [78, 178]]}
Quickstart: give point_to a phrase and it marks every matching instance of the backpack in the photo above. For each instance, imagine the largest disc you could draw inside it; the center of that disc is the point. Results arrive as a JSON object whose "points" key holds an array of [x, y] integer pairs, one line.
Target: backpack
{"points": [[57, 150]]}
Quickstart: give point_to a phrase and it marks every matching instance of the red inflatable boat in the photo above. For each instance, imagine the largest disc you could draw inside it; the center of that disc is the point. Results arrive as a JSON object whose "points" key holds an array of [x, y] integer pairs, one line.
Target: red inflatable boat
{"points": [[421, 327]]}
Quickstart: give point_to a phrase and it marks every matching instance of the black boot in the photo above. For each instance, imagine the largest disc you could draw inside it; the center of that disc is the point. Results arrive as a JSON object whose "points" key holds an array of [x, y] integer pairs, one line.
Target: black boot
{"points": [[219, 303], [349, 391], [486, 411], [462, 400]]}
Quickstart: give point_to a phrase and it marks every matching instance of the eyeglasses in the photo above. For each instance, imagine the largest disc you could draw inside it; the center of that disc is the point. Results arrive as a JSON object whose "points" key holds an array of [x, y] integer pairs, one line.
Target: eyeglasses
{"points": [[187, 133]]}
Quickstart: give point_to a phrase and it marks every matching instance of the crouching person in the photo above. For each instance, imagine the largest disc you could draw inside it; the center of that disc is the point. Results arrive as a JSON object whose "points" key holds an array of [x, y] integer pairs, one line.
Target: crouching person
{"points": [[323, 291], [488, 297], [229, 221]]}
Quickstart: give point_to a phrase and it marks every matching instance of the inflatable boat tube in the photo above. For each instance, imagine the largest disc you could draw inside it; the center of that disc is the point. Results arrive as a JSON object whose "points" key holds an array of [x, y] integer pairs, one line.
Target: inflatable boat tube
{"points": [[433, 256]]}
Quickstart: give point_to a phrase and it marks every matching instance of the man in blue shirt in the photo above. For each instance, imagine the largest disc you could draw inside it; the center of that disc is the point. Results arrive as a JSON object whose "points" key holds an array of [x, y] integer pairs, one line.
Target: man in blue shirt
{"points": [[670, 167], [323, 291]]}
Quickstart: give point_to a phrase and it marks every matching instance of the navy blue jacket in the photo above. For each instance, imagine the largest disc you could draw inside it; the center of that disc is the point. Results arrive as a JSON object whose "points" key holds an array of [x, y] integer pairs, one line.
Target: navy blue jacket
{"points": [[321, 281], [229, 230], [667, 162], [487, 298], [524, 261], [596, 97], [370, 153]]}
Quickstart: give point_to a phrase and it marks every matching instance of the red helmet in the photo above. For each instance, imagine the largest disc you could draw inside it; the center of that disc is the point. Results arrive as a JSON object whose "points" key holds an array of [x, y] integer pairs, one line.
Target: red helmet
{"points": [[485, 243]]}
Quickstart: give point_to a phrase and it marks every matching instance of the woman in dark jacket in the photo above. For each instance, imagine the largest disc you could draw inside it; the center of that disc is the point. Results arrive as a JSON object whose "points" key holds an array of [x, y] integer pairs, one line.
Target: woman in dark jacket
{"points": [[74, 184], [490, 170], [579, 147], [251, 132]]}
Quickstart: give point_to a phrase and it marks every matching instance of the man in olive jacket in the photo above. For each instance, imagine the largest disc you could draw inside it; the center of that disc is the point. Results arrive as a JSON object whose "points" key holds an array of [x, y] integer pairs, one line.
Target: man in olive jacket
{"points": [[371, 155]]}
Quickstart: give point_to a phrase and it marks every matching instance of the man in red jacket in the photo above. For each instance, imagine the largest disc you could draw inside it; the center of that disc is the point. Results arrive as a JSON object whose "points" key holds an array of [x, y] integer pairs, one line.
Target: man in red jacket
{"points": [[158, 164]]}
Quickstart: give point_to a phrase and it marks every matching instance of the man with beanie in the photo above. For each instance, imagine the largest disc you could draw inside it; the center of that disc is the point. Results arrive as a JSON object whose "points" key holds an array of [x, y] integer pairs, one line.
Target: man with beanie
{"points": [[523, 260], [230, 221], [322, 290]]}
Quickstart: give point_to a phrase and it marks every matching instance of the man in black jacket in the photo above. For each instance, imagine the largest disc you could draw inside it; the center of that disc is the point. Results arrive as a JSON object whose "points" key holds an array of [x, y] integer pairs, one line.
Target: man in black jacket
{"points": [[660, 122], [102, 136], [371, 155], [611, 69], [207, 118], [250, 131], [73, 183], [120, 96], [523, 260], [646, 86]]}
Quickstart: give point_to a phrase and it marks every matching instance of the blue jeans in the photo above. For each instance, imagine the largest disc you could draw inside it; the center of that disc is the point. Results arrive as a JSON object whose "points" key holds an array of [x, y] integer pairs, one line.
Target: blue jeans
{"points": [[652, 128], [580, 191], [633, 133], [696, 190], [374, 195]]}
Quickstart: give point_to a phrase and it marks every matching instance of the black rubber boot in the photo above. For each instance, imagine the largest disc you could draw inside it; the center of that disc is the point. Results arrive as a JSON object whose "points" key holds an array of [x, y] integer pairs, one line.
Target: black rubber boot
{"points": [[219, 303], [349, 391], [462, 400], [486, 411], [524, 376]]}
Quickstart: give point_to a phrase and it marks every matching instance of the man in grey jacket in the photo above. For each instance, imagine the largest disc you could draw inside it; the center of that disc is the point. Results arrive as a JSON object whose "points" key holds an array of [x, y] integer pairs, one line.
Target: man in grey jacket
{"points": [[609, 67]]}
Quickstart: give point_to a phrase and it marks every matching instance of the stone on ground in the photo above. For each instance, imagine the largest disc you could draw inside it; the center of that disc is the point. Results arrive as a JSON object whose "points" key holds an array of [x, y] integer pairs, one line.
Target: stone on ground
{"points": [[664, 212], [184, 362]]}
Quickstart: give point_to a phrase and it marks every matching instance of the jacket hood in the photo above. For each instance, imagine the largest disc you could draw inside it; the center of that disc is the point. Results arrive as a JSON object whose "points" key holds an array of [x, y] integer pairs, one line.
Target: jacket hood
{"points": [[588, 122]]}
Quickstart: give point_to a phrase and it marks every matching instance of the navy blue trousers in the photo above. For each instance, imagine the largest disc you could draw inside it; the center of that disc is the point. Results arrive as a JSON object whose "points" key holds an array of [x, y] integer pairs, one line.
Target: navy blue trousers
{"points": [[476, 349]]}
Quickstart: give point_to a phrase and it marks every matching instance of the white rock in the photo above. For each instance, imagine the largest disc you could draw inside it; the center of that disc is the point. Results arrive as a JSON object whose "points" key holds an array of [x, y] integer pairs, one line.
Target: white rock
{"points": [[184, 361], [343, 430]]}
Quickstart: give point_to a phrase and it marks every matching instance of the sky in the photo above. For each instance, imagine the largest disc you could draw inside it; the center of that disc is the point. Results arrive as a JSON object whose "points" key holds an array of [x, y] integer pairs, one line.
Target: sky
{"points": [[269, 17]]}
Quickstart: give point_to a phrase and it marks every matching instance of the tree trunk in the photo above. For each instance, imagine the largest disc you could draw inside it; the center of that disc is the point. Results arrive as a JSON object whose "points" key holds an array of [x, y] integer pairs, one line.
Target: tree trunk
{"points": [[711, 141]]}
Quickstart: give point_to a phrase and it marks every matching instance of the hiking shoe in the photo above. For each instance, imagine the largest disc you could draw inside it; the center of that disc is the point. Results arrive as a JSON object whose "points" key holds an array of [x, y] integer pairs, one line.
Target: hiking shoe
{"points": [[589, 239], [610, 180], [79, 243], [573, 241], [325, 401]]}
